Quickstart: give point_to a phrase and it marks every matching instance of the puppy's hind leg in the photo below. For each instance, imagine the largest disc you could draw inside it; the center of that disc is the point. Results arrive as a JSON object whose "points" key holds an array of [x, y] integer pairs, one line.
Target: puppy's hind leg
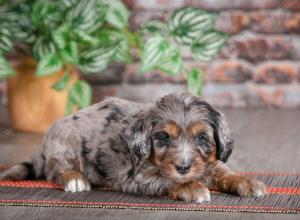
{"points": [[67, 174]]}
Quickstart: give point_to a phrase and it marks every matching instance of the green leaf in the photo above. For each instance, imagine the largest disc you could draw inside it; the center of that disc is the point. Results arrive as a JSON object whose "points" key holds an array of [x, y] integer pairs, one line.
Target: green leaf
{"points": [[49, 64], [70, 52], [6, 43], [187, 23], [43, 47], [207, 45], [154, 27], [45, 13], [117, 14], [111, 37], [5, 68], [85, 38], [84, 16], [62, 83], [60, 36], [194, 81], [122, 53], [172, 62], [70, 106], [153, 52], [96, 60], [80, 94]]}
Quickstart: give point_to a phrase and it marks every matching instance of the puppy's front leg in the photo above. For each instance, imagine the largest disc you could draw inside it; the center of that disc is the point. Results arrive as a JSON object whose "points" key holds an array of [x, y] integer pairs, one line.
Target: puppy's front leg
{"points": [[190, 192], [225, 180]]}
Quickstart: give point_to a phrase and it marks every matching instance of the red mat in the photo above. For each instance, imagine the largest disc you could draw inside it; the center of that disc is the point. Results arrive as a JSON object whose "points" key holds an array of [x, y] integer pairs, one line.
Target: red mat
{"points": [[283, 197]]}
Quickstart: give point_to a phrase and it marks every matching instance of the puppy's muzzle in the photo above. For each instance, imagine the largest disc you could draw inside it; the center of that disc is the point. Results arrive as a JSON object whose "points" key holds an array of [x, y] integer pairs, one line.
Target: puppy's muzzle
{"points": [[183, 169]]}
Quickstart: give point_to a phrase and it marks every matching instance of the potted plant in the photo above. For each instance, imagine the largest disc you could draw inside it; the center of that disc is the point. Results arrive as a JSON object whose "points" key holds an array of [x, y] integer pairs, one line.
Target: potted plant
{"points": [[56, 39]]}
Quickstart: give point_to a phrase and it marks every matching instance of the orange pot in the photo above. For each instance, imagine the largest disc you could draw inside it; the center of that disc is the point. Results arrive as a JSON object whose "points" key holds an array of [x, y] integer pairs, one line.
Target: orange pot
{"points": [[33, 104]]}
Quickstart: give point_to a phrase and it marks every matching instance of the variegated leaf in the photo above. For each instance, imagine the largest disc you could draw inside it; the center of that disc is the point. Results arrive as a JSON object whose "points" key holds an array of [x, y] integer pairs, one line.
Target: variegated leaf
{"points": [[187, 23], [80, 94], [49, 64], [194, 81], [207, 45], [70, 52], [5, 68], [172, 62], [96, 60], [43, 47], [155, 27], [117, 14], [154, 50], [6, 43]]}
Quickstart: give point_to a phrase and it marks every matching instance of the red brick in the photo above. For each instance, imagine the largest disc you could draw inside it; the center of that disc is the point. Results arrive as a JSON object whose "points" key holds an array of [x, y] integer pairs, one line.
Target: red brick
{"points": [[230, 71], [275, 22], [232, 22], [282, 96], [276, 72], [292, 24], [298, 73], [228, 95], [133, 75], [256, 48], [140, 17], [129, 3], [233, 4], [290, 4], [295, 49]]}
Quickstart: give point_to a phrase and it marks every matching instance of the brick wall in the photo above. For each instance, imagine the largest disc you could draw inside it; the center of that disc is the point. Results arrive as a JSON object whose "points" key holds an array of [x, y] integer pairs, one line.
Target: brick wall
{"points": [[2, 92], [259, 67]]}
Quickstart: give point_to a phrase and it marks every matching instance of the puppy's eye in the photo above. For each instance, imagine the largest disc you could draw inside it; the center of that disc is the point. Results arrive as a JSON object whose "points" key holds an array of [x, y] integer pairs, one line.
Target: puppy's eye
{"points": [[201, 139], [162, 136]]}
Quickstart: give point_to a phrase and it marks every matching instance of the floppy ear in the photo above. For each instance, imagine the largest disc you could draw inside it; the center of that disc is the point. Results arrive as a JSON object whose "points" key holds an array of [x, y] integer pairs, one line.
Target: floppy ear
{"points": [[223, 137], [222, 133], [138, 138]]}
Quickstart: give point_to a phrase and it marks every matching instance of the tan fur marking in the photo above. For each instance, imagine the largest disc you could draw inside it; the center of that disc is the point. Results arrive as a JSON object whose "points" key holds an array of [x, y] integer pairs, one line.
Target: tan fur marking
{"points": [[172, 129], [213, 156], [196, 128]]}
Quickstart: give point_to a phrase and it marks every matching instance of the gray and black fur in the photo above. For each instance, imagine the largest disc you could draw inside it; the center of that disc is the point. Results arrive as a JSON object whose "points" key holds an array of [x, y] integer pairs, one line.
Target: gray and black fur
{"points": [[120, 144]]}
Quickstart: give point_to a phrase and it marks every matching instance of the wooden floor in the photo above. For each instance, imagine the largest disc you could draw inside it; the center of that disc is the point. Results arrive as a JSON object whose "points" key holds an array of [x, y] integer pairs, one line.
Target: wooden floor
{"points": [[266, 140]]}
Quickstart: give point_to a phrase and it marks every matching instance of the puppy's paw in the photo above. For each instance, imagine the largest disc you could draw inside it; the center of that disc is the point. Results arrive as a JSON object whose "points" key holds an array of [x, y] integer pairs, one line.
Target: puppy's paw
{"points": [[191, 192], [76, 182], [245, 186]]}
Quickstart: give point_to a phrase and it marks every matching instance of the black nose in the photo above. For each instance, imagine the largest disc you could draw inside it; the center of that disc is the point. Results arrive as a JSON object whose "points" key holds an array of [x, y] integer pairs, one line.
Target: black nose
{"points": [[183, 169]]}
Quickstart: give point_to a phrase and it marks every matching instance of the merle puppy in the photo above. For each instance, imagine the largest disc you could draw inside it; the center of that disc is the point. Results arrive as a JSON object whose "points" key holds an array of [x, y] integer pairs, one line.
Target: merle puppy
{"points": [[177, 146]]}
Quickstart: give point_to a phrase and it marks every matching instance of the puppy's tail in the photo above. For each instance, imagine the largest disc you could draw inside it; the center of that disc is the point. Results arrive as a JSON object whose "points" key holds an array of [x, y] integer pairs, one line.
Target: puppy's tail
{"points": [[29, 170]]}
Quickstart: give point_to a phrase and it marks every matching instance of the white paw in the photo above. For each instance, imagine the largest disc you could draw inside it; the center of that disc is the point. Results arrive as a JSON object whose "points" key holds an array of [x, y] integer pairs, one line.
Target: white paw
{"points": [[203, 196], [77, 185], [260, 189]]}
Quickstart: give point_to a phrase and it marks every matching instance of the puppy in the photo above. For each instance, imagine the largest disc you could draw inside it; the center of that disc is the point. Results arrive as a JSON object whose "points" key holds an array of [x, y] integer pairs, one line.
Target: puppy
{"points": [[177, 146]]}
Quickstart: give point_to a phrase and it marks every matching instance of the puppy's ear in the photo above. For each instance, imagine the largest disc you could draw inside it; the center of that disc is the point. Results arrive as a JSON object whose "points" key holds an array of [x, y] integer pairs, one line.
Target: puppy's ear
{"points": [[223, 137], [222, 133], [138, 138]]}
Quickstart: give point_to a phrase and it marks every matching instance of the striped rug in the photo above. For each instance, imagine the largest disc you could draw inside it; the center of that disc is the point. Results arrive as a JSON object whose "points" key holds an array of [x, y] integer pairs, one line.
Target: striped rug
{"points": [[283, 197]]}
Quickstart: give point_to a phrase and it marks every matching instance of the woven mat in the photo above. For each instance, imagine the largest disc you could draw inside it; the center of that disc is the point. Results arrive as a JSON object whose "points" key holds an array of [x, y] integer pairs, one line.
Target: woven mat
{"points": [[283, 197]]}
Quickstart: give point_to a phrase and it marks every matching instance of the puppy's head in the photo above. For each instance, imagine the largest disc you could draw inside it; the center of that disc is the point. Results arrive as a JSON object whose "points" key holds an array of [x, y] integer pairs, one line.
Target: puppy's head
{"points": [[181, 135]]}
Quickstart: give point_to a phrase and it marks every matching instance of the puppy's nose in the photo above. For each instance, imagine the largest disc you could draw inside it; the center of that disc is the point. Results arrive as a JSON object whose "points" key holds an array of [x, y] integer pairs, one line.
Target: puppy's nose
{"points": [[183, 169]]}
